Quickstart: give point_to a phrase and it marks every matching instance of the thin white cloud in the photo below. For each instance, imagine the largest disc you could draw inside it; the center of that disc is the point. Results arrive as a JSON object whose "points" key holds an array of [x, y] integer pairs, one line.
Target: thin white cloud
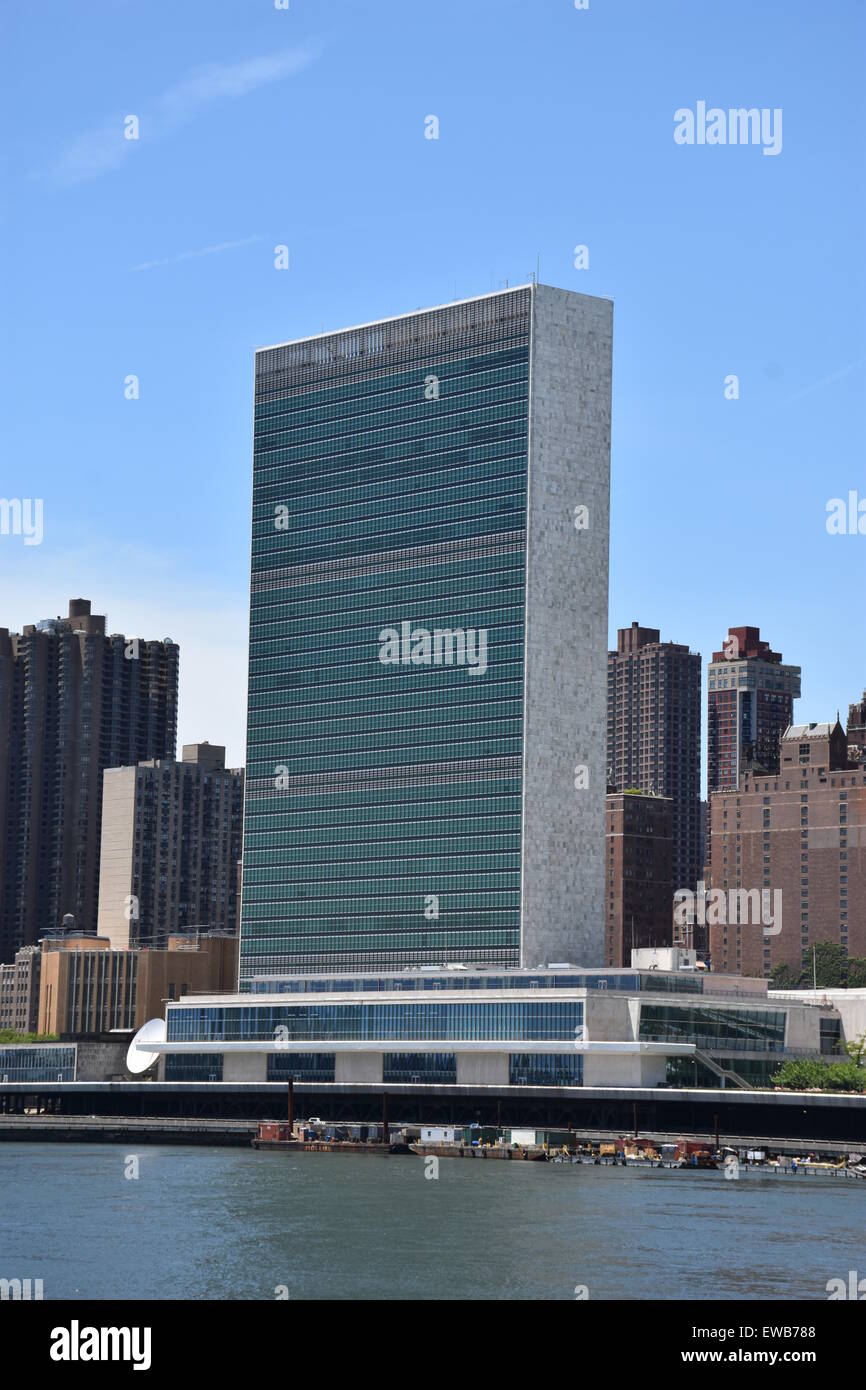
{"points": [[96, 152], [217, 81], [193, 255], [89, 155], [827, 380]]}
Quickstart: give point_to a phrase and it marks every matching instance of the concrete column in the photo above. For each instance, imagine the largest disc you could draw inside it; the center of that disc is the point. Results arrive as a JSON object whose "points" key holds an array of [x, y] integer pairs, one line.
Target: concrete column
{"points": [[245, 1066], [482, 1069], [358, 1066]]}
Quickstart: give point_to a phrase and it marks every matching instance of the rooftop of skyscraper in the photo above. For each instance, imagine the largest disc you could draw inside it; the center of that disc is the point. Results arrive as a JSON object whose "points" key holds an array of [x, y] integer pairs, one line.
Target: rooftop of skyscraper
{"points": [[744, 643]]}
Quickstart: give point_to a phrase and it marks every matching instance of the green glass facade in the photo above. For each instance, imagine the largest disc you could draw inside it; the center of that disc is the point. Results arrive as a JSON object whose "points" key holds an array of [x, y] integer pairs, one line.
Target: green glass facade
{"points": [[383, 801], [429, 980], [301, 1066], [412, 1068], [482, 1020], [545, 1069], [194, 1066]]}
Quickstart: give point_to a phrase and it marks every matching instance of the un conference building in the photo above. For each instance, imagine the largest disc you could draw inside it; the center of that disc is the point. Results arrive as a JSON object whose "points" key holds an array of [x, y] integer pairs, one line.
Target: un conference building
{"points": [[428, 641]]}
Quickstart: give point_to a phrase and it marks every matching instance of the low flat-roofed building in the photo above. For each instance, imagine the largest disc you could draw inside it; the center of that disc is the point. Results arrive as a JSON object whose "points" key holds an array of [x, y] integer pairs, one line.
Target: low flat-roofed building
{"points": [[556, 1026], [89, 988]]}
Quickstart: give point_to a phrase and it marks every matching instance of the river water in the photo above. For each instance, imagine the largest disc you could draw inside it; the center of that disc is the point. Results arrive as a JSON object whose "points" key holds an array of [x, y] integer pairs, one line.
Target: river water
{"points": [[221, 1223]]}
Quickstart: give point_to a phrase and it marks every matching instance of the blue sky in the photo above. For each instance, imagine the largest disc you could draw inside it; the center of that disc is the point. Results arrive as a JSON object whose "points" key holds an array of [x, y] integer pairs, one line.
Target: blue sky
{"points": [[261, 127]]}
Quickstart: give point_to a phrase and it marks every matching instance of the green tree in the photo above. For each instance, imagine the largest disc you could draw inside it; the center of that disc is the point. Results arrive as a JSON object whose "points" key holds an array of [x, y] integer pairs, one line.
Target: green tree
{"points": [[9, 1035], [806, 1074], [856, 1049], [857, 972], [784, 977], [829, 965]]}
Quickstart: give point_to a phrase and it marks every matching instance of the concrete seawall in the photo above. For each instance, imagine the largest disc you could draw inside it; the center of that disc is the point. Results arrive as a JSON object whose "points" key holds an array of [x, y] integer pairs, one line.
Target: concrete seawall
{"points": [[759, 1116], [104, 1130]]}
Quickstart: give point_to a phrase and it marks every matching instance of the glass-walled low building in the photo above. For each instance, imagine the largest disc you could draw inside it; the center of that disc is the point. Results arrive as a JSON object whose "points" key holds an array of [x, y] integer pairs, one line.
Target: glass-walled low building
{"points": [[546, 1028], [38, 1062]]}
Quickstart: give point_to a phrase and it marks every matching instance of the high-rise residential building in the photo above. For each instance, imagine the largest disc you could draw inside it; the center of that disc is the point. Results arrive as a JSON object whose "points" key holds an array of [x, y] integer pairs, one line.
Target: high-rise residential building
{"points": [[857, 731], [171, 841], [702, 836], [654, 734], [73, 701], [425, 750], [799, 837], [639, 874], [750, 703]]}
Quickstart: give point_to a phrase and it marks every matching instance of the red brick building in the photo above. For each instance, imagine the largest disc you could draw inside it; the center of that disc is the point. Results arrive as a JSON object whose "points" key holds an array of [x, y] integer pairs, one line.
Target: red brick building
{"points": [[750, 703], [654, 734], [799, 833], [639, 882], [857, 731]]}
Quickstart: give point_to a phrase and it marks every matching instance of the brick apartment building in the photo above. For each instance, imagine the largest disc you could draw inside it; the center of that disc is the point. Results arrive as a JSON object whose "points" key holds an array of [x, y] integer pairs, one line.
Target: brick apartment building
{"points": [[74, 700], [800, 833], [638, 874], [654, 735], [857, 731], [171, 842], [750, 703]]}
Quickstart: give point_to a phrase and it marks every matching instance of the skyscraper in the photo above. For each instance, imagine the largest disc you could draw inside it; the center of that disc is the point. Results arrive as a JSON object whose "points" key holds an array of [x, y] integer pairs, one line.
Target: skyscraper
{"points": [[73, 701], [171, 841], [750, 705], [654, 734], [425, 748]]}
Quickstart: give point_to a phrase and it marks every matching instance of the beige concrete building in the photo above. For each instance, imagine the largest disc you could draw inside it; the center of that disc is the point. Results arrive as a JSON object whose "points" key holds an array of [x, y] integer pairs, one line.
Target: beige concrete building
{"points": [[171, 841], [88, 987]]}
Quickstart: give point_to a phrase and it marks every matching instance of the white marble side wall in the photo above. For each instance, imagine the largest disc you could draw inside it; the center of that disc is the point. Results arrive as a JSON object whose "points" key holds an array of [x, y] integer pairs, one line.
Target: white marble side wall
{"points": [[566, 638]]}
